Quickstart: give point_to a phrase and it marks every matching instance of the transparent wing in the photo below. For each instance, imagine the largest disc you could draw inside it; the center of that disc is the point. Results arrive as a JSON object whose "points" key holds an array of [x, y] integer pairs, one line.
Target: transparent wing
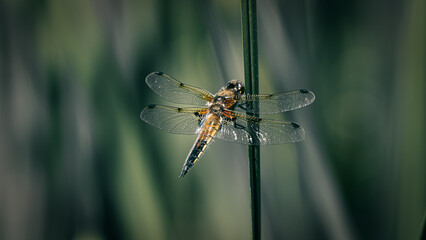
{"points": [[279, 102], [269, 131], [172, 119], [174, 91]]}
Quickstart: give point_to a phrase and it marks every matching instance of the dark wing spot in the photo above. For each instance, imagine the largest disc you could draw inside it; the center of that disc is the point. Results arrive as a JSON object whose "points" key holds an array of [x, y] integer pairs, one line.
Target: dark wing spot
{"points": [[151, 106], [271, 95], [159, 73], [181, 85], [179, 109], [196, 114], [304, 91], [295, 125]]}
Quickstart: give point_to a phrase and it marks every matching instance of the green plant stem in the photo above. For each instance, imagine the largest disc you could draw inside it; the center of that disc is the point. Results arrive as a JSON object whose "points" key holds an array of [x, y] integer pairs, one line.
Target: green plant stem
{"points": [[251, 76], [423, 228]]}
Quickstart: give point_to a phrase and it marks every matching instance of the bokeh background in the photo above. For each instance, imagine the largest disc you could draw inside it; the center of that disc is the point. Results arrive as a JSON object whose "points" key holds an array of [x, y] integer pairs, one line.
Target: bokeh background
{"points": [[76, 162]]}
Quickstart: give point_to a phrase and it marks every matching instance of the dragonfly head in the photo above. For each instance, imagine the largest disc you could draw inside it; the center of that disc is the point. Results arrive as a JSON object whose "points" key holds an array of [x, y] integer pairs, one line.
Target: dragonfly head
{"points": [[236, 86]]}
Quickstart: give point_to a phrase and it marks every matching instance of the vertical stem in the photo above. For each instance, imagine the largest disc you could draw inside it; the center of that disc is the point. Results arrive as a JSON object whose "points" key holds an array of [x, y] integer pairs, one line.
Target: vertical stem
{"points": [[423, 228], [251, 76]]}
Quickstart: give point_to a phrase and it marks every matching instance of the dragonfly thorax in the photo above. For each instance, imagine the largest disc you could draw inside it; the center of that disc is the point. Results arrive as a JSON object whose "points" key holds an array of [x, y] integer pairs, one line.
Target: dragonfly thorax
{"points": [[226, 99], [216, 108]]}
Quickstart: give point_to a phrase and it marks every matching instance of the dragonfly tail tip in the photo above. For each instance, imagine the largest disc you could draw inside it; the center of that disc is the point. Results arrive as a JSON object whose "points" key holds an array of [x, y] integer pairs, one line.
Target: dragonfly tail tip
{"points": [[182, 174]]}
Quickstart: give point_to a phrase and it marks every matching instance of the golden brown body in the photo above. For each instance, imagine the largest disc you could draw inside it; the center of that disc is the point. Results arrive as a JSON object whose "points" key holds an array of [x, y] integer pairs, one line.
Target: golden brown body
{"points": [[210, 125]]}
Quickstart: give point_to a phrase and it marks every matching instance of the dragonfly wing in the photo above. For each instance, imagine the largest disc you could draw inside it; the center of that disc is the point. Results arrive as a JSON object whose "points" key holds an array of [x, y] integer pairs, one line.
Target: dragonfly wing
{"points": [[172, 119], [174, 91], [269, 131], [278, 102]]}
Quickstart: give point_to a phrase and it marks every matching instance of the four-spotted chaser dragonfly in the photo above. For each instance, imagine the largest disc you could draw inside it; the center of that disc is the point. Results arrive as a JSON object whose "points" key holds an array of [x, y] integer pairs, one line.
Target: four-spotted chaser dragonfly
{"points": [[220, 115]]}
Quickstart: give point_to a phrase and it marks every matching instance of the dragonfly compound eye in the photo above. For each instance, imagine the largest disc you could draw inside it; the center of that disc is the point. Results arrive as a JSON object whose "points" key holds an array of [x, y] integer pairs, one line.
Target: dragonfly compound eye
{"points": [[242, 89], [230, 85]]}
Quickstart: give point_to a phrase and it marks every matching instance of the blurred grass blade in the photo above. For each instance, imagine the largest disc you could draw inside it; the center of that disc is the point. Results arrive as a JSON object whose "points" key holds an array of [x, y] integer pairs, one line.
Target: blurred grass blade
{"points": [[423, 228], [251, 77]]}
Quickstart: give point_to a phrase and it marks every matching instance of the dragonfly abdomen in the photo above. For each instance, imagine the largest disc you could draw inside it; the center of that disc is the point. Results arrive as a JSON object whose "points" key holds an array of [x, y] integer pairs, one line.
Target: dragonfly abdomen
{"points": [[209, 130]]}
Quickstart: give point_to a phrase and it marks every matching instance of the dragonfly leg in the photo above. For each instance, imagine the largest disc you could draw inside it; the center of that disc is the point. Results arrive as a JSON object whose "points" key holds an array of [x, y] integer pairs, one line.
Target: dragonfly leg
{"points": [[251, 132], [200, 120], [239, 126], [243, 106]]}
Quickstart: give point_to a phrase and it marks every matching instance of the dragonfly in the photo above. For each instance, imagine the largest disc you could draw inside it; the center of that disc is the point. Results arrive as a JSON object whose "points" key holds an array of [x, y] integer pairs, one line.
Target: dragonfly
{"points": [[229, 115]]}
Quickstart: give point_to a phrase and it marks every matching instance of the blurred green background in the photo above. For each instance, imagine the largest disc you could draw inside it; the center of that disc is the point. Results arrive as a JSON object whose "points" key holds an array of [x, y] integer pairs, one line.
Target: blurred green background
{"points": [[76, 162]]}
